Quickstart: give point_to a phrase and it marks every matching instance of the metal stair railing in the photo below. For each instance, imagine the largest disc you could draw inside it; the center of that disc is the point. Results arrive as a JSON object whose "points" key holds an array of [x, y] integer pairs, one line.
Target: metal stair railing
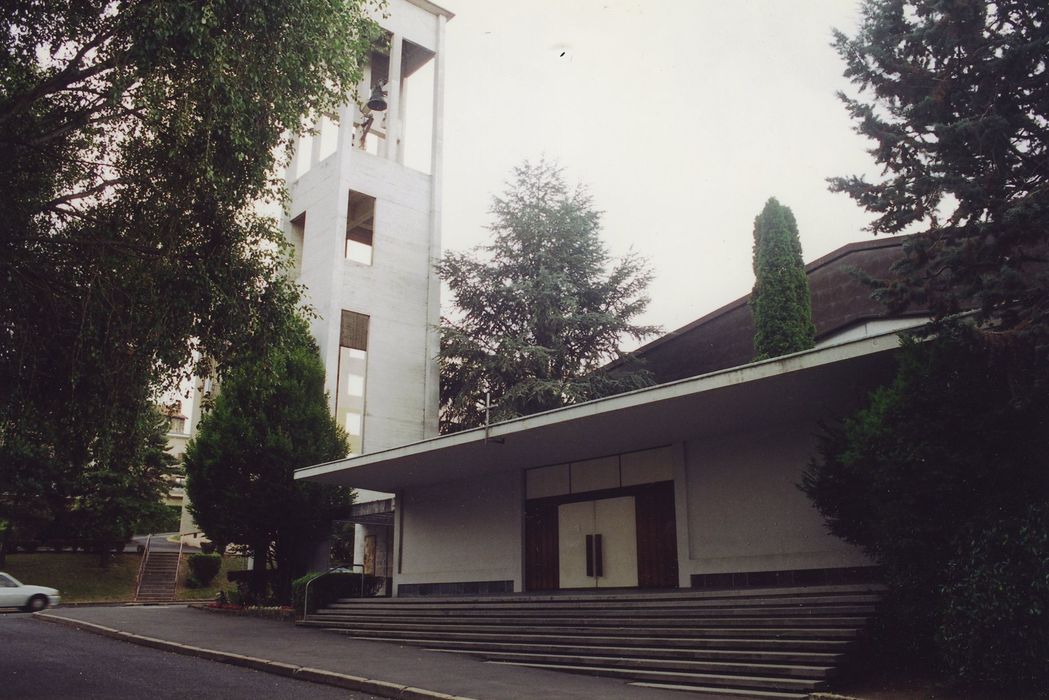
{"points": [[306, 592], [142, 566], [178, 566]]}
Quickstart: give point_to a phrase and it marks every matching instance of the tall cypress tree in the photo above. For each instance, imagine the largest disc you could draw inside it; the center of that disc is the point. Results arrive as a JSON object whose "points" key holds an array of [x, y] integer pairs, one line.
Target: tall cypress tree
{"points": [[780, 301]]}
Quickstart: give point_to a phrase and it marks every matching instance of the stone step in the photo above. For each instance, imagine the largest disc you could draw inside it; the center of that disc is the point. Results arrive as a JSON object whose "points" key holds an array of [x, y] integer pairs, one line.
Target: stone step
{"points": [[633, 595], [722, 692], [632, 663], [725, 643], [711, 680], [827, 633], [596, 602], [604, 621], [395, 610], [638, 652], [157, 582], [757, 643]]}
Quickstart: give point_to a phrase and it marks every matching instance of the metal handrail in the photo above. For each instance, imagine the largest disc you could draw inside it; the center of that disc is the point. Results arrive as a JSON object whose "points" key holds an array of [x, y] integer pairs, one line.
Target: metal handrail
{"points": [[142, 566], [306, 592], [178, 563]]}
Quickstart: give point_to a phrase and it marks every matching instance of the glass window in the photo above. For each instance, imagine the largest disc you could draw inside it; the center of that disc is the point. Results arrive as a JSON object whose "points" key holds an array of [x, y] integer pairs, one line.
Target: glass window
{"points": [[350, 402]]}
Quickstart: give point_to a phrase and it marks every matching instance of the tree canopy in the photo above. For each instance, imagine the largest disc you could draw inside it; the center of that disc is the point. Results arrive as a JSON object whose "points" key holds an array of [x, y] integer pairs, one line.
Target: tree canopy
{"points": [[955, 97], [942, 478], [950, 451], [780, 301], [138, 140], [270, 417], [539, 310]]}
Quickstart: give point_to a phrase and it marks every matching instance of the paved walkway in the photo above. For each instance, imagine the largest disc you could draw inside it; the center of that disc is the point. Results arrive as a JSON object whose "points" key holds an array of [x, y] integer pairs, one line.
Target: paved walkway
{"points": [[388, 670]]}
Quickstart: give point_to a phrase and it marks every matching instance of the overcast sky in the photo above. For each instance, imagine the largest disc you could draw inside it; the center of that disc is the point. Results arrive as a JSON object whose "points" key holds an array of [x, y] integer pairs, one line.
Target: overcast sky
{"points": [[682, 116]]}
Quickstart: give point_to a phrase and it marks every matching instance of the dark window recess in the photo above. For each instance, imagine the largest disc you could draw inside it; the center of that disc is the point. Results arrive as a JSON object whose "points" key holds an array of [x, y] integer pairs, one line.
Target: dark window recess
{"points": [[354, 331], [360, 227], [298, 240]]}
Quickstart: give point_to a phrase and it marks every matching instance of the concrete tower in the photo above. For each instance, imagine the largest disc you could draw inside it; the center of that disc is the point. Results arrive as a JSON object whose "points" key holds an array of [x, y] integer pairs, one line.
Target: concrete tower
{"points": [[365, 222]]}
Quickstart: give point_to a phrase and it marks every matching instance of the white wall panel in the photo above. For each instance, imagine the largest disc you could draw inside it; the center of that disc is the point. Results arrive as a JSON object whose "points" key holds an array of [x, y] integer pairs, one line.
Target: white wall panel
{"points": [[467, 530]]}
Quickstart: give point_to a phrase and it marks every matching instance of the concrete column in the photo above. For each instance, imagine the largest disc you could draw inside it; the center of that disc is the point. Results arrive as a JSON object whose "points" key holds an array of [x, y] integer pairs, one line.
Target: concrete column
{"points": [[431, 380], [347, 115], [359, 531], [393, 99], [403, 98], [315, 143], [292, 173]]}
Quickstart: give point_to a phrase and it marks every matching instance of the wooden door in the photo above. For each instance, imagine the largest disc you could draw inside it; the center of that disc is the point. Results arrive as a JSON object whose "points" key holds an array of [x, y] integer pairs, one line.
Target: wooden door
{"points": [[656, 537], [541, 572]]}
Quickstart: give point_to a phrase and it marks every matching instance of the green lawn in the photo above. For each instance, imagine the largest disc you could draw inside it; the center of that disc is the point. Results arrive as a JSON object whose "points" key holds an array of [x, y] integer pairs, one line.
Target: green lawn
{"points": [[78, 577], [229, 563]]}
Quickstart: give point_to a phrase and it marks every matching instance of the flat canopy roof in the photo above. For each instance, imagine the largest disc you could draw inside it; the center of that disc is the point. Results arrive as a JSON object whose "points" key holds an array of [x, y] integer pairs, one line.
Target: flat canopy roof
{"points": [[820, 383]]}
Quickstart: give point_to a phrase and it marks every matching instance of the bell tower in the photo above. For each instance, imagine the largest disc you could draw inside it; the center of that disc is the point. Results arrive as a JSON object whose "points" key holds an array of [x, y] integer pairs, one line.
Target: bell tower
{"points": [[364, 220]]}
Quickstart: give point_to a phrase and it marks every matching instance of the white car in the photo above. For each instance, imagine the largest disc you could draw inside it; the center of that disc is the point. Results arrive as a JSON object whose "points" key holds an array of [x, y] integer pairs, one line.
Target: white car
{"points": [[32, 598]]}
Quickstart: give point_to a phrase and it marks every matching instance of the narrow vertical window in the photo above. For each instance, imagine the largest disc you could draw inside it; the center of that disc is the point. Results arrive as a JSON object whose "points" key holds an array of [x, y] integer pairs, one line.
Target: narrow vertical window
{"points": [[297, 238], [360, 224], [353, 365]]}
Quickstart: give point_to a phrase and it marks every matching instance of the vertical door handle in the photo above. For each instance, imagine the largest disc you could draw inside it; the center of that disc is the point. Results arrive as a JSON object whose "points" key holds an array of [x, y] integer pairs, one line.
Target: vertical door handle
{"points": [[589, 555], [599, 558]]}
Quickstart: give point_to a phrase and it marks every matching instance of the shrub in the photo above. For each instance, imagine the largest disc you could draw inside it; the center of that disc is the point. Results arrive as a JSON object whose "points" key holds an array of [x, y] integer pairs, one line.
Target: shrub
{"points": [[995, 626], [331, 587], [204, 567], [243, 581], [954, 444]]}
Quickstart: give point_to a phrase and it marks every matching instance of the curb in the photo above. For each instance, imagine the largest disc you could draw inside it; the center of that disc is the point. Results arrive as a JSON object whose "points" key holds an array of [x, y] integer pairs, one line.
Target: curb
{"points": [[383, 689]]}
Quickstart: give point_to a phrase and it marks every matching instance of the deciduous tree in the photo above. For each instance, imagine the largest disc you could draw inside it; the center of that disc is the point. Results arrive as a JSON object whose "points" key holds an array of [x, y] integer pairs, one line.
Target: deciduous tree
{"points": [[539, 310], [138, 138]]}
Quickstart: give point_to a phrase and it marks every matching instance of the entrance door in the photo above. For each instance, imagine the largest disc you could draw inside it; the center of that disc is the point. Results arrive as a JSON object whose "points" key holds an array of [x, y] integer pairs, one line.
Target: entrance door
{"points": [[597, 543]]}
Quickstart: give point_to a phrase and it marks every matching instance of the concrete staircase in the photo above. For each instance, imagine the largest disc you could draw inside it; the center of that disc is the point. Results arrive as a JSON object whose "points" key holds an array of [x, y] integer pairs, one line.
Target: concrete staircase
{"points": [[157, 579], [768, 643]]}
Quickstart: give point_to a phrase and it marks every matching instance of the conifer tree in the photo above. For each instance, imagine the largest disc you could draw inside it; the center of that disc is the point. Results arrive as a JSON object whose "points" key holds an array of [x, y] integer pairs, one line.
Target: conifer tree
{"points": [[954, 97], [780, 300], [541, 309], [270, 418]]}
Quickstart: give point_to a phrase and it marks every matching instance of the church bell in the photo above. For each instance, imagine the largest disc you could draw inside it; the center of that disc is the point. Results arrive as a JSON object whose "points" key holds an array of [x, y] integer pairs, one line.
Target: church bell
{"points": [[377, 102]]}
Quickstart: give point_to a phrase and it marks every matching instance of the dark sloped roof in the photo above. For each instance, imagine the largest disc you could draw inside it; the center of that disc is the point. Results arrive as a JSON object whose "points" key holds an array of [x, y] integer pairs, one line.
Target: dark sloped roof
{"points": [[724, 338]]}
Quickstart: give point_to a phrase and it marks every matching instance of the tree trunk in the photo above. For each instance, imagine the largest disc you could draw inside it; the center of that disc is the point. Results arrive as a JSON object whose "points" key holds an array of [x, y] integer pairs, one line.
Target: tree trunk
{"points": [[282, 584], [258, 570], [5, 542], [105, 555]]}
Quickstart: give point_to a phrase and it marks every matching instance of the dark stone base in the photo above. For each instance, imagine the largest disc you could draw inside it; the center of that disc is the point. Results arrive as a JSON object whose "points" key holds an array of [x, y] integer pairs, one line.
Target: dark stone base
{"points": [[456, 588], [794, 577]]}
